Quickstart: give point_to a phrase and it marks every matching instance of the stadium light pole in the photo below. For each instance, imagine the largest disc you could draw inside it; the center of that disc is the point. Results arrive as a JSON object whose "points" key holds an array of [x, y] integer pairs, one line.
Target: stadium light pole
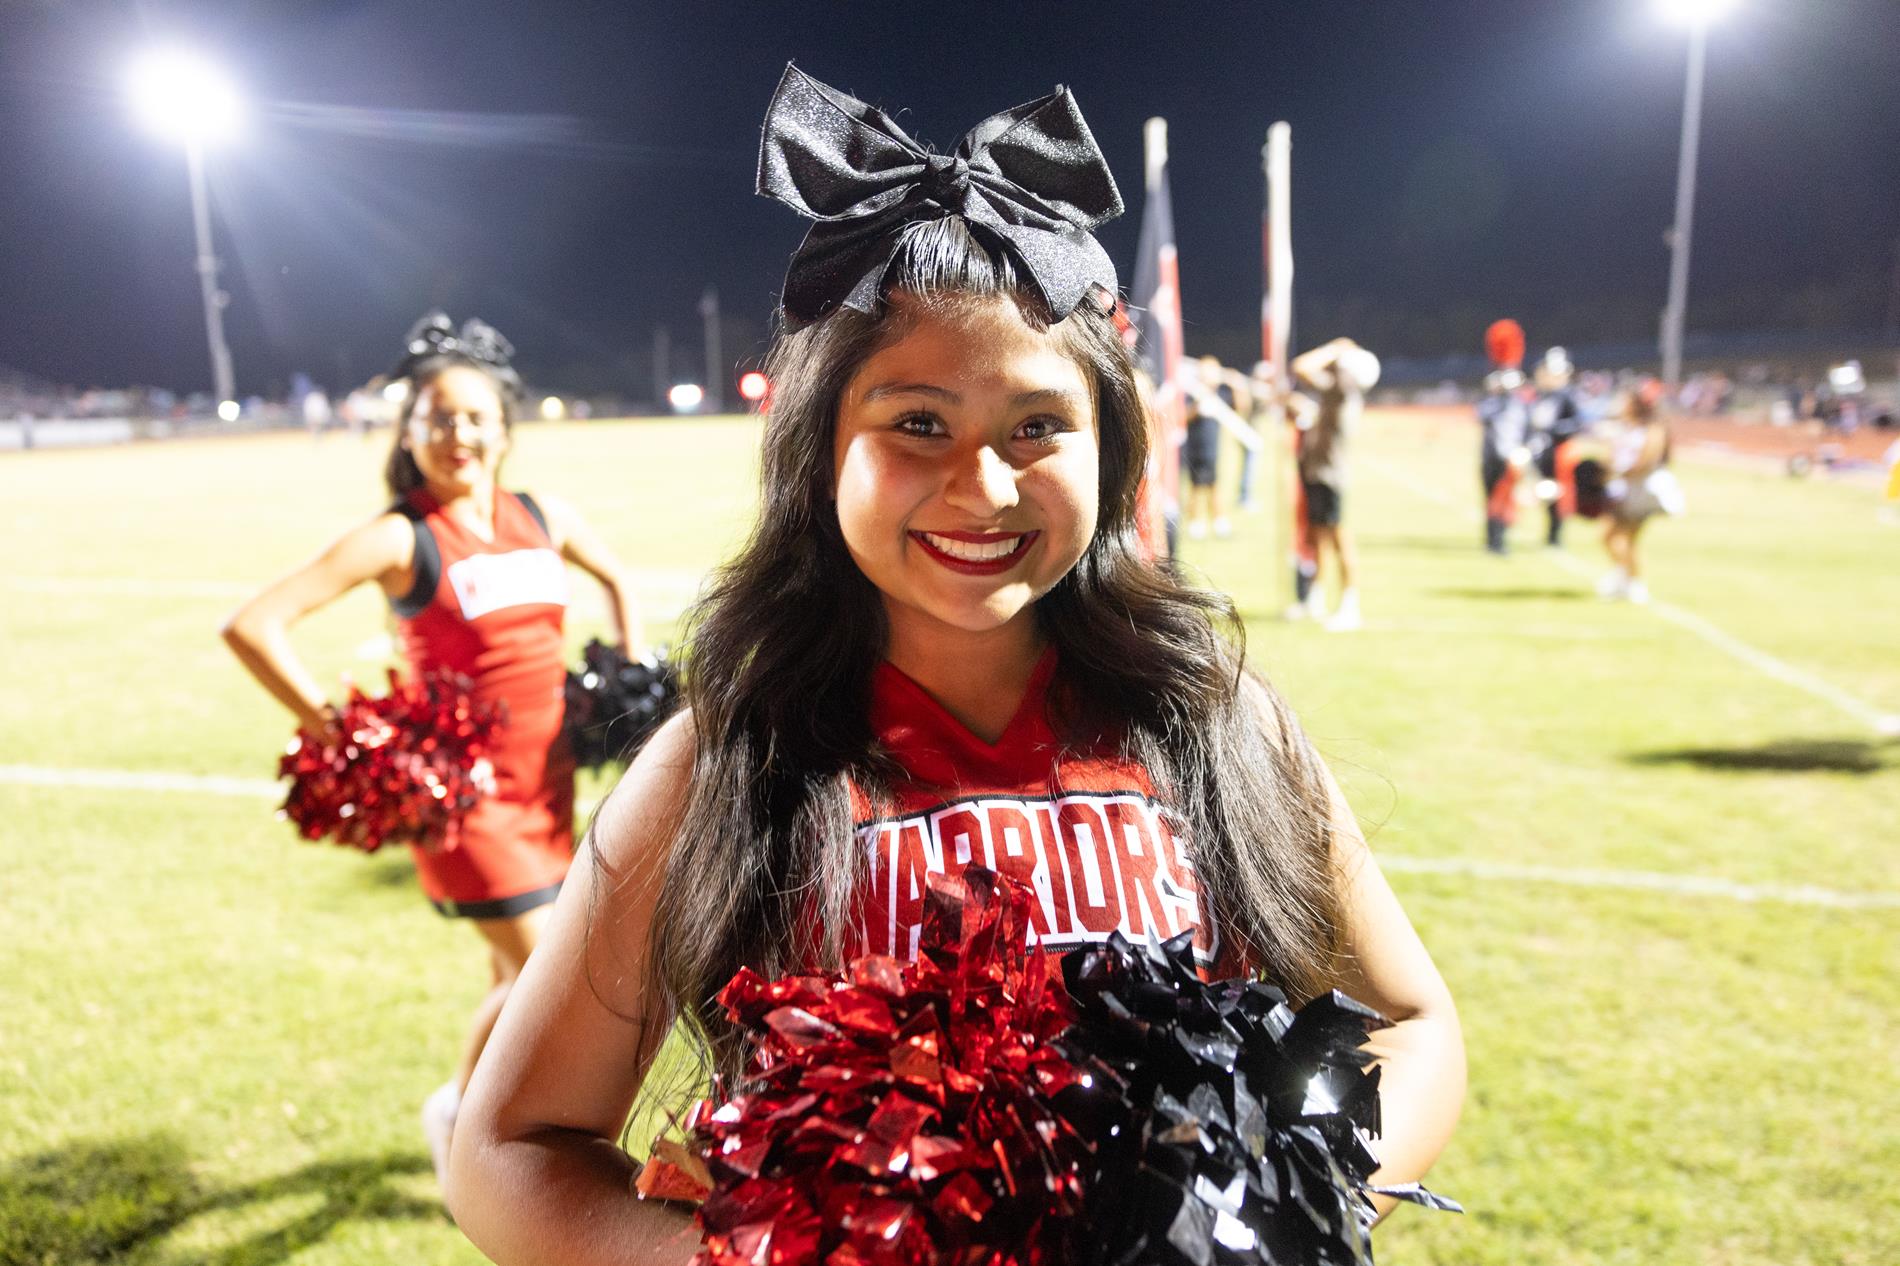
{"points": [[1698, 16], [186, 100]]}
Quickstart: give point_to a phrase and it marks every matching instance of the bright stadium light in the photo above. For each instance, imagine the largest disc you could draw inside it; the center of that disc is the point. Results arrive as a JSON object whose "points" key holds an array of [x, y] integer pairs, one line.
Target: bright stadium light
{"points": [[184, 98], [753, 385], [553, 409], [685, 397], [187, 100], [1695, 12], [230, 410]]}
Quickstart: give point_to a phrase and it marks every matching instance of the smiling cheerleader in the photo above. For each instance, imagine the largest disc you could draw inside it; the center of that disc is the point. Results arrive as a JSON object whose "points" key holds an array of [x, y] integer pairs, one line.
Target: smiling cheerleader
{"points": [[940, 648], [477, 579]]}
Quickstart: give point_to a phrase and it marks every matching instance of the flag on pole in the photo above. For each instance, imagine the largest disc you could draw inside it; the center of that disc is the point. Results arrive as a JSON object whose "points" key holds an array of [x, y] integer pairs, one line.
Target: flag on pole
{"points": [[1157, 319]]}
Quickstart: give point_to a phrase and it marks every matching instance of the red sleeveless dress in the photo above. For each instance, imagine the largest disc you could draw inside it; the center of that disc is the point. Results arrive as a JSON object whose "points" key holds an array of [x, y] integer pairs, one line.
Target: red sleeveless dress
{"points": [[493, 611], [1083, 829]]}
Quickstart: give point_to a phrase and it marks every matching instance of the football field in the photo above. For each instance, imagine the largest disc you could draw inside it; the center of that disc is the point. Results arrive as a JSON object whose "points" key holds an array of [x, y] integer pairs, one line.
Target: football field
{"points": [[1655, 850]]}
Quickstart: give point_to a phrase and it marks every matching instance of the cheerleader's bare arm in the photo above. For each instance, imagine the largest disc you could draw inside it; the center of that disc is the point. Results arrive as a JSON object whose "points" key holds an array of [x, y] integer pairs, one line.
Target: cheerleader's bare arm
{"points": [[536, 1173], [1384, 964], [258, 632]]}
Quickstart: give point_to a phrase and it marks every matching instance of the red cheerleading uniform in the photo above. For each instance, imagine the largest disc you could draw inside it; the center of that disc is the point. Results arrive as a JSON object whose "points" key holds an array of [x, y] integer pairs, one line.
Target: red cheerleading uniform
{"points": [[1083, 829], [492, 611]]}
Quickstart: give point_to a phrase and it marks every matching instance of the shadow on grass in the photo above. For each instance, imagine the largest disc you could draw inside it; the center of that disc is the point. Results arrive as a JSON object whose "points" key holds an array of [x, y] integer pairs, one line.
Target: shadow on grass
{"points": [[1513, 593], [115, 1200], [1782, 756], [389, 867]]}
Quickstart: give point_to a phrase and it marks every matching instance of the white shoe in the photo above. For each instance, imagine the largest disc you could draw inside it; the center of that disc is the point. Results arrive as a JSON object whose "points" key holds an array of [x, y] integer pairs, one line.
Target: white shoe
{"points": [[1347, 618], [1636, 591], [438, 1126], [1614, 584]]}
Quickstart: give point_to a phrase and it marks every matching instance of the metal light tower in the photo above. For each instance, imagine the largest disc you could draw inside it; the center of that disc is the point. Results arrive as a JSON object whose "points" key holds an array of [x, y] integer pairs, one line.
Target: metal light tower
{"points": [[1698, 16], [715, 359], [186, 100]]}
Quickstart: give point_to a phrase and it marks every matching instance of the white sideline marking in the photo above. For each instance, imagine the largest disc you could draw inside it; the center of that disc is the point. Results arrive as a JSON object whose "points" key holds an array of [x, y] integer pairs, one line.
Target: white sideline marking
{"points": [[1761, 661], [139, 780], [1682, 885], [1886, 724], [657, 580], [1679, 885]]}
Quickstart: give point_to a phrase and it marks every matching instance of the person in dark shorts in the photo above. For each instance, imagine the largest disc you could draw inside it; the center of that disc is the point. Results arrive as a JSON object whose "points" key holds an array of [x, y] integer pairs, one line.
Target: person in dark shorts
{"points": [[1337, 376], [1200, 456]]}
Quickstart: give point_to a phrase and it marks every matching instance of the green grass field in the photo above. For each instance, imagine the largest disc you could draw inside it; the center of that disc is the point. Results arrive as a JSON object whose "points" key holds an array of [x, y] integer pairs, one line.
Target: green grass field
{"points": [[214, 1040]]}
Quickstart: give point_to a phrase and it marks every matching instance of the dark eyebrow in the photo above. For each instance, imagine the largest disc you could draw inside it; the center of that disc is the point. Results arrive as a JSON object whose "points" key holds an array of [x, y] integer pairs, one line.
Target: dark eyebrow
{"points": [[1046, 395], [1042, 395], [884, 389]]}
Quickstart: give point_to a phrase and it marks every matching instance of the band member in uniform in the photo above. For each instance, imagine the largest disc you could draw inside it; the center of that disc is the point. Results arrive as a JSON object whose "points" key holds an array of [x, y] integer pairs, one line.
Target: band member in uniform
{"points": [[1504, 417], [940, 646], [477, 579], [1556, 419]]}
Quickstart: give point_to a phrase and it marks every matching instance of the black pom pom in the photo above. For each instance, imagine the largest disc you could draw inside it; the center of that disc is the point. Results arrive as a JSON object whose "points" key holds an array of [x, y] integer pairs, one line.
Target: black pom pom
{"points": [[1240, 1130], [614, 703]]}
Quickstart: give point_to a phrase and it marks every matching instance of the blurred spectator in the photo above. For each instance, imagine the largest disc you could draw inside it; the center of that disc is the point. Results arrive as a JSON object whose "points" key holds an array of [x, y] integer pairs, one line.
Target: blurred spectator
{"points": [[1337, 376], [1200, 456]]}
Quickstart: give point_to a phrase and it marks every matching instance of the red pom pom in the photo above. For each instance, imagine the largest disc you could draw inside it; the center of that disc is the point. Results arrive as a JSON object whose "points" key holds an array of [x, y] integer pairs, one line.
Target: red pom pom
{"points": [[902, 1113], [409, 766], [1504, 343]]}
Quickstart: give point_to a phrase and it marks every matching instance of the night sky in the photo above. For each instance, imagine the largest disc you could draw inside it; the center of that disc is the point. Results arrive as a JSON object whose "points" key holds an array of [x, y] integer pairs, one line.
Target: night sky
{"points": [[578, 174]]}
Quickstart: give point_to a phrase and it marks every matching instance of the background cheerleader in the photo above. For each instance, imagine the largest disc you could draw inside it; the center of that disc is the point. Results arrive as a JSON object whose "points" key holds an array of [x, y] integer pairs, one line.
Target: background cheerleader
{"points": [[1641, 486], [1338, 374], [476, 578]]}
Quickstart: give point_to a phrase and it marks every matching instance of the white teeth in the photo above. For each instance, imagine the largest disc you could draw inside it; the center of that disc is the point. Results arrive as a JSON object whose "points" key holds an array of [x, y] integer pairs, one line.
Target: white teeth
{"points": [[971, 552]]}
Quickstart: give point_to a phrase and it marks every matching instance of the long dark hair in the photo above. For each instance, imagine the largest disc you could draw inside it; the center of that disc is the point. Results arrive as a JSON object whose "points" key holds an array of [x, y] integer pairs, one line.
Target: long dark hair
{"points": [[780, 654], [400, 471]]}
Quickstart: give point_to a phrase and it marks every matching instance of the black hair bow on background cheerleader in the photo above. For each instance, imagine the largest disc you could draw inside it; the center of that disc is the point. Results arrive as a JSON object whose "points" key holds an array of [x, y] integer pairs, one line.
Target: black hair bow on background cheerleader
{"points": [[973, 1107], [477, 341], [614, 703], [405, 768], [1030, 179]]}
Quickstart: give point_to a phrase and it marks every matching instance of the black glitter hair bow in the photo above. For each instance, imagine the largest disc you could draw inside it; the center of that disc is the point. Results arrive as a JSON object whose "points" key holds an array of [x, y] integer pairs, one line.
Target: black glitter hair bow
{"points": [[478, 341], [1030, 179]]}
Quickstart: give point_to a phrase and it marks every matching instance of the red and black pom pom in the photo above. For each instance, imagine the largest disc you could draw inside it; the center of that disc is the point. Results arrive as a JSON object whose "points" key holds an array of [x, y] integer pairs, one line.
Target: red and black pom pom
{"points": [[405, 768], [967, 1108]]}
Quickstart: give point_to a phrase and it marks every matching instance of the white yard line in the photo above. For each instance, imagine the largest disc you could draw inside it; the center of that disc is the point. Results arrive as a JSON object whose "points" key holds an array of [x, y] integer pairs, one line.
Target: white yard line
{"points": [[128, 586], [1883, 723], [662, 594], [139, 780], [1641, 880], [1645, 881]]}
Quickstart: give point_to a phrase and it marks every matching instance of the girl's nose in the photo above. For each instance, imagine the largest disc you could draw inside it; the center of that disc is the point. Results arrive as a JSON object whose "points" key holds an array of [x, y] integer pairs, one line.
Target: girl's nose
{"points": [[983, 483]]}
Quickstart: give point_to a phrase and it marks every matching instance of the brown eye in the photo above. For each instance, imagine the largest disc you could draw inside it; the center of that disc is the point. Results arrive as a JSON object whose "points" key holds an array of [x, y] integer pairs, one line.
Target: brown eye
{"points": [[922, 425]]}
